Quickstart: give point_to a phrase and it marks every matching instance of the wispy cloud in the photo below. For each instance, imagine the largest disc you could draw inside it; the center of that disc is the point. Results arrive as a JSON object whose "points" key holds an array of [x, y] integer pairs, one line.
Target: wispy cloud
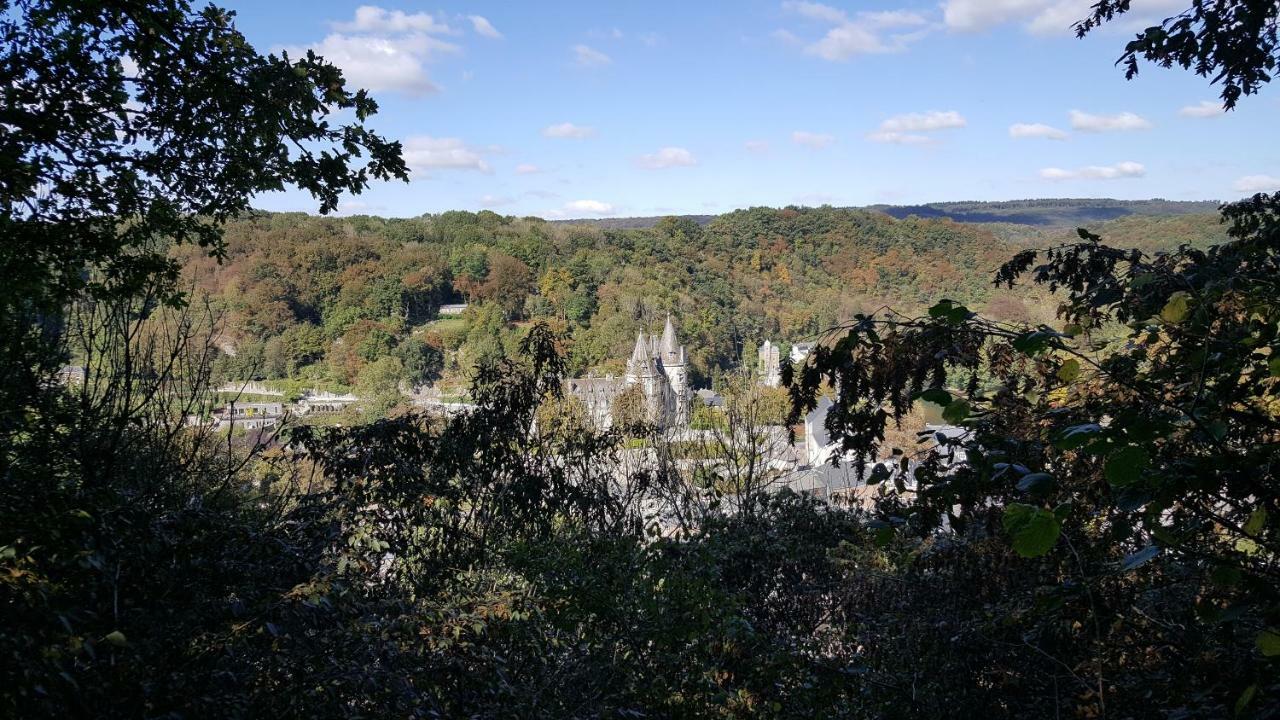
{"points": [[899, 138], [495, 200], [1202, 109], [667, 157], [1096, 172], [1042, 17], [586, 56], [482, 26], [924, 122], [1258, 184], [817, 141], [1036, 130], [527, 169], [568, 130], [908, 129], [816, 199], [756, 146], [372, 19], [1125, 121], [864, 33]]}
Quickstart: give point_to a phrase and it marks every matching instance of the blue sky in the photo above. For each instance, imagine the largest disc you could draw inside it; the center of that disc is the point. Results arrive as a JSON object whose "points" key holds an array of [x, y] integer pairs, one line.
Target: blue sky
{"points": [[590, 109]]}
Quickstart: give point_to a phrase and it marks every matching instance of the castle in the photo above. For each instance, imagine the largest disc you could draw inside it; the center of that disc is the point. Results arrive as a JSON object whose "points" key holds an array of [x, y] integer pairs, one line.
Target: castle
{"points": [[659, 367]]}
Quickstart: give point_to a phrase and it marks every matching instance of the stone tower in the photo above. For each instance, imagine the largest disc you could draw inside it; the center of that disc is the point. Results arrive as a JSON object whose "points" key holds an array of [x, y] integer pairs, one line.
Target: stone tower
{"points": [[675, 366], [770, 365], [642, 370]]}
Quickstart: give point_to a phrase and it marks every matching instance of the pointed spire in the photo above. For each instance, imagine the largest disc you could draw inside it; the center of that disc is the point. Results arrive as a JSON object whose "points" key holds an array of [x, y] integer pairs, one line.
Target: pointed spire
{"points": [[641, 353], [669, 345]]}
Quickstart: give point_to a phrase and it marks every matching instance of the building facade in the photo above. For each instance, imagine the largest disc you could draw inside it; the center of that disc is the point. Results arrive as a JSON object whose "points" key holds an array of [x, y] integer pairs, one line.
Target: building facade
{"points": [[659, 366]]}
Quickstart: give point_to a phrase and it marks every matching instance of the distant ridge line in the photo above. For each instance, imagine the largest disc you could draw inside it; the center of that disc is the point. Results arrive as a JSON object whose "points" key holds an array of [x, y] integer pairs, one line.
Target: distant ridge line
{"points": [[1042, 212]]}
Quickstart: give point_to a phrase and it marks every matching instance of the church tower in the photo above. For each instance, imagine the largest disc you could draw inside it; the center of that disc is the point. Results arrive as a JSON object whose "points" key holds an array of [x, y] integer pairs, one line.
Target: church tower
{"points": [[675, 367]]}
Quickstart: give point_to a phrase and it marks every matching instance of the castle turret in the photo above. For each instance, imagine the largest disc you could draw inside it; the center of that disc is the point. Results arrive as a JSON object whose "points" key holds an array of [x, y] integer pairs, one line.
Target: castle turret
{"points": [[676, 369], [641, 363]]}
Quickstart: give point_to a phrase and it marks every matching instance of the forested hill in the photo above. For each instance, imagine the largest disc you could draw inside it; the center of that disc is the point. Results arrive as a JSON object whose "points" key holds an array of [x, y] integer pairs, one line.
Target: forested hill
{"points": [[324, 300], [1050, 212], [1039, 213]]}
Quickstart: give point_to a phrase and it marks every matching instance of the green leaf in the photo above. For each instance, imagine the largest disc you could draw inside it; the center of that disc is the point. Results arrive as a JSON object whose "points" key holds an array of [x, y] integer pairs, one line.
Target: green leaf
{"points": [[1256, 522], [1034, 342], [1034, 530], [1245, 698], [1176, 310], [956, 412], [1125, 466], [1069, 370], [1225, 576], [941, 308], [115, 637], [1269, 642], [1036, 483], [884, 536], [1274, 367], [937, 396], [1140, 558], [1074, 436]]}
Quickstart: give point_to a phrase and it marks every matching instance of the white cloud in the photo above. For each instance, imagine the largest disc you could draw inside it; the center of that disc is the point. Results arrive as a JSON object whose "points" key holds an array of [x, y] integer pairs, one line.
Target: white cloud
{"points": [[1203, 109], [1060, 17], [845, 41], [860, 35], [756, 146], [1086, 122], [893, 18], [1096, 172], [382, 63], [527, 169], [589, 57], [816, 141], [588, 207], [924, 122], [975, 15], [906, 129], [495, 200], [787, 37], [816, 11], [385, 50], [899, 138], [424, 153], [1258, 184], [1036, 130], [482, 26], [372, 19], [1043, 17], [568, 130], [667, 157]]}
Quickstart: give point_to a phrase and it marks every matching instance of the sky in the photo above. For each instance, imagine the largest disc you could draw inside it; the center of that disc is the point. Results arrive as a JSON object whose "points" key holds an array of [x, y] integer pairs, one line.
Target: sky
{"points": [[573, 109]]}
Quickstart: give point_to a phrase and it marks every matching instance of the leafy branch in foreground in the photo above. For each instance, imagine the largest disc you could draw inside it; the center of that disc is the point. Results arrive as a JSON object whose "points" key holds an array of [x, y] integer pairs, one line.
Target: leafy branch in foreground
{"points": [[1233, 42], [1147, 426]]}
